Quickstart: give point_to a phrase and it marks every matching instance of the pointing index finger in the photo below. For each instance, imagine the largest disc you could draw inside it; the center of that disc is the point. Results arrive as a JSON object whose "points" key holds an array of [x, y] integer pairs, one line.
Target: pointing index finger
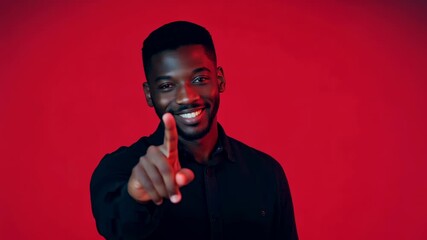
{"points": [[170, 150], [171, 136]]}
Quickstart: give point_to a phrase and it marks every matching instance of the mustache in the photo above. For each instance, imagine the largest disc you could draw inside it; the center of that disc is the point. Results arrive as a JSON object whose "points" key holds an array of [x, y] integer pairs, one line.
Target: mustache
{"points": [[185, 107]]}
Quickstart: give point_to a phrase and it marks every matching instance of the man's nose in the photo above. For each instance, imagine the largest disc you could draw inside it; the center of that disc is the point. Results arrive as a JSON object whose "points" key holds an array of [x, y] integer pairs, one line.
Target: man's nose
{"points": [[186, 94]]}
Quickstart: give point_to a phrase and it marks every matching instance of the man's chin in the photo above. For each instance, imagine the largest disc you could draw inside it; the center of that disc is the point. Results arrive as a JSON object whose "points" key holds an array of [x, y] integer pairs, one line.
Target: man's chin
{"points": [[193, 135]]}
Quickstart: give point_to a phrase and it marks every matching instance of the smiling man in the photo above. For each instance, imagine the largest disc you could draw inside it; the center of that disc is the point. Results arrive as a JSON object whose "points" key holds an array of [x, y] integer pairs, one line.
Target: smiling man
{"points": [[189, 180]]}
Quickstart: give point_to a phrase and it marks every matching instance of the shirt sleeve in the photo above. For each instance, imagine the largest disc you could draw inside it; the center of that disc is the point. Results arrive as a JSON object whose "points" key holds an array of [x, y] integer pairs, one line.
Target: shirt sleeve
{"points": [[117, 214], [285, 227]]}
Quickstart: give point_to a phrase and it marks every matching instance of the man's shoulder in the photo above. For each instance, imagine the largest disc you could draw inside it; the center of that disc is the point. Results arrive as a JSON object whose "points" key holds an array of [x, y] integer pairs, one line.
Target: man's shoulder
{"points": [[252, 155], [257, 162], [124, 157], [137, 148]]}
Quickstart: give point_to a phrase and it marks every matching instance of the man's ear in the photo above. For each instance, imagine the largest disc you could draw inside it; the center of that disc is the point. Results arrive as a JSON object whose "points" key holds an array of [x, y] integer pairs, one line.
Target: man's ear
{"points": [[221, 79], [147, 94]]}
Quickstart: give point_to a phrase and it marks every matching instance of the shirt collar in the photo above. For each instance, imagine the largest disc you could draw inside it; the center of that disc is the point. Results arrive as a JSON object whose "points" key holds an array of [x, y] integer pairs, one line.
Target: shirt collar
{"points": [[224, 143]]}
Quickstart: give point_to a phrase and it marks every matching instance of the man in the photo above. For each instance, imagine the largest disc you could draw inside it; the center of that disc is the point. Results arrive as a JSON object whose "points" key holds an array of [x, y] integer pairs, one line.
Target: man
{"points": [[189, 180]]}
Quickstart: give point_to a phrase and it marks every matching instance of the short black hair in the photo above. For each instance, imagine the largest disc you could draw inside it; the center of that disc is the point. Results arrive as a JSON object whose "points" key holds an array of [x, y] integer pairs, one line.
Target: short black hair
{"points": [[174, 35]]}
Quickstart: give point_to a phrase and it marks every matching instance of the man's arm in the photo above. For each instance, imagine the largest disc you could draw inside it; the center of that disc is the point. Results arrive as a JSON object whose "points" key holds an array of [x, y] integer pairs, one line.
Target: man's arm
{"points": [[125, 190], [117, 214], [285, 226]]}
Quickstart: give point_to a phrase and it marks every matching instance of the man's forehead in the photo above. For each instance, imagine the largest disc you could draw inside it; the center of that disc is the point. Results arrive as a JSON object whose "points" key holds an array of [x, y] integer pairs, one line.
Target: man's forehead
{"points": [[189, 56]]}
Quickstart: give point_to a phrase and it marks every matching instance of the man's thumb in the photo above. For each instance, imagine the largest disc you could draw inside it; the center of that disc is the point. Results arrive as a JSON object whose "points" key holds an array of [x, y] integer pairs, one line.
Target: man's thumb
{"points": [[184, 176]]}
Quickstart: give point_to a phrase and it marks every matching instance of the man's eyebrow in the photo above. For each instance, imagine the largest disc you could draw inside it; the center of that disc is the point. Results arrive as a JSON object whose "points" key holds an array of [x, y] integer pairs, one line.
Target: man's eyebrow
{"points": [[201, 69], [159, 78], [197, 70]]}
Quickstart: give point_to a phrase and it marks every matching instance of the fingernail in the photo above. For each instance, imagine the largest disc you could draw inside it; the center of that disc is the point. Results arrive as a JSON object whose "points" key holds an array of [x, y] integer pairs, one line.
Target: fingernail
{"points": [[175, 198], [159, 202]]}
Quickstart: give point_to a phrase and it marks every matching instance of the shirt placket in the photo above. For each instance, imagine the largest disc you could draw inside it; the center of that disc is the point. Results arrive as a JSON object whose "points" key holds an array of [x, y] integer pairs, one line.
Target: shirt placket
{"points": [[212, 197]]}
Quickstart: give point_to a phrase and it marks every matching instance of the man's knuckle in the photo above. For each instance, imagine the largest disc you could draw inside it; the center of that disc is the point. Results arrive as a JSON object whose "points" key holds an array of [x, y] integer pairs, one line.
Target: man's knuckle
{"points": [[142, 159], [151, 149], [156, 180]]}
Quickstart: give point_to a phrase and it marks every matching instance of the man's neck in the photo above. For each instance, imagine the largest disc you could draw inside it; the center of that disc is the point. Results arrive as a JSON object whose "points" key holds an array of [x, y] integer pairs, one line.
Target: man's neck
{"points": [[202, 148]]}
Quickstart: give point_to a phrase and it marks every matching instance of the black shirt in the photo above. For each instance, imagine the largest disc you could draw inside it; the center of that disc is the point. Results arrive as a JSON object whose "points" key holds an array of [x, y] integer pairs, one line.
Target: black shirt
{"points": [[241, 193]]}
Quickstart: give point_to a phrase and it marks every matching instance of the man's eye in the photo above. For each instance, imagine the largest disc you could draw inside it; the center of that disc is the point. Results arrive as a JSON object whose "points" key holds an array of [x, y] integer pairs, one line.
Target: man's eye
{"points": [[165, 86], [200, 79]]}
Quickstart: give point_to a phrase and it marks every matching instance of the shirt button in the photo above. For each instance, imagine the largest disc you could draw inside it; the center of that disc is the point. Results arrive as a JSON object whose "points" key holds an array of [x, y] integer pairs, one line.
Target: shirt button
{"points": [[263, 213]]}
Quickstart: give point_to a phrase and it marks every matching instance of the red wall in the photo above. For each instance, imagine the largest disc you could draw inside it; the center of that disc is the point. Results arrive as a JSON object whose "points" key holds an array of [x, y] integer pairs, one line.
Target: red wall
{"points": [[335, 91]]}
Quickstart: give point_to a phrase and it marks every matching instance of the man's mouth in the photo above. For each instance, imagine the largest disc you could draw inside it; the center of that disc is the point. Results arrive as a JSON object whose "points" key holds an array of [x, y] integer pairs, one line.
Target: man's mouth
{"points": [[191, 114]]}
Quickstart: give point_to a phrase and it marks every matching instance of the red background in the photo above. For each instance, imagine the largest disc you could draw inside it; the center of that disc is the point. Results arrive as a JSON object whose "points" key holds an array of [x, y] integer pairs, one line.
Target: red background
{"points": [[335, 91]]}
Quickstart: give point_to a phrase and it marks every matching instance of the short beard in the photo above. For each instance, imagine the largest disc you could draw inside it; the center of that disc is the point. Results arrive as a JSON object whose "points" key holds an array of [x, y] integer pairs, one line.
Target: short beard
{"points": [[196, 136], [204, 132]]}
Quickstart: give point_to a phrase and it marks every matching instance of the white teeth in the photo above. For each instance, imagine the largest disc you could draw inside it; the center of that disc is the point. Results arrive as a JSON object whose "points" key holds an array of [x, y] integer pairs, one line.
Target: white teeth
{"points": [[191, 114]]}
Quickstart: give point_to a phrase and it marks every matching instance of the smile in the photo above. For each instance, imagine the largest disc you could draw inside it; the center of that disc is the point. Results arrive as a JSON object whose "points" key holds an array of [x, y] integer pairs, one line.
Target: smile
{"points": [[191, 114]]}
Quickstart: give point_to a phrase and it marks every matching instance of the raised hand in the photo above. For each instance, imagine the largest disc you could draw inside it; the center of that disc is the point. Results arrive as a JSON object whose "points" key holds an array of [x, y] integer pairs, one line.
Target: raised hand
{"points": [[158, 173]]}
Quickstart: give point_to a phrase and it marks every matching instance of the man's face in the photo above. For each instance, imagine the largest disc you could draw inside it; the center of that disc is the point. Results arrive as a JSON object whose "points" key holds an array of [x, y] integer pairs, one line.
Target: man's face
{"points": [[186, 83]]}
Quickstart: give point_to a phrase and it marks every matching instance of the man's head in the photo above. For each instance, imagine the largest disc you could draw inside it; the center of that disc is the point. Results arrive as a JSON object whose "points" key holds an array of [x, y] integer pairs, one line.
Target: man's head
{"points": [[173, 35], [183, 77]]}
